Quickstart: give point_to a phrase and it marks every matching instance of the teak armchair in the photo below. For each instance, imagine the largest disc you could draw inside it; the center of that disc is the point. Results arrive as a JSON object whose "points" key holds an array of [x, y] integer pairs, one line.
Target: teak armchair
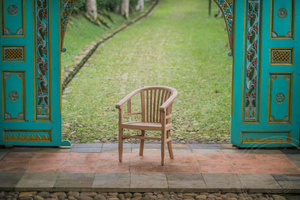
{"points": [[156, 109]]}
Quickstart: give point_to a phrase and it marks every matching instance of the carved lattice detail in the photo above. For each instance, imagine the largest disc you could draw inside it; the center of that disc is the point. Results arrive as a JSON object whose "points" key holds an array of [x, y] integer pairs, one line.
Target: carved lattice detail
{"points": [[252, 62], [281, 56], [13, 54]]}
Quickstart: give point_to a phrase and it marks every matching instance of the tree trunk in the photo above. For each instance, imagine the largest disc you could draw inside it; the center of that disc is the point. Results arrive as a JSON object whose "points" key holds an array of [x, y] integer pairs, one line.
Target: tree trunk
{"points": [[219, 14], [91, 9], [124, 8], [140, 5]]}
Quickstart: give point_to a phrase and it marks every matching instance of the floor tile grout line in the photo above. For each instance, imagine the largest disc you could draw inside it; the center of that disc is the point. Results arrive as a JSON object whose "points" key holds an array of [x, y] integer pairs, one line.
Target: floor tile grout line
{"points": [[265, 167], [229, 162]]}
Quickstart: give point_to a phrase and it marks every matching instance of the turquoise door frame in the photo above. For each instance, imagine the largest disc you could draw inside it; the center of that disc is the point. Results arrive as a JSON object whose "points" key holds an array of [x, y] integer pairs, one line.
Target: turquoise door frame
{"points": [[30, 73], [266, 111]]}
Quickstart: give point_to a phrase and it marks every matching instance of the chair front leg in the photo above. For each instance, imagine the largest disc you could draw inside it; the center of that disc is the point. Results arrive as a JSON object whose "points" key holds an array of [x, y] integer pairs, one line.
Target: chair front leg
{"points": [[163, 146], [170, 145], [142, 143], [120, 135], [120, 144], [163, 138]]}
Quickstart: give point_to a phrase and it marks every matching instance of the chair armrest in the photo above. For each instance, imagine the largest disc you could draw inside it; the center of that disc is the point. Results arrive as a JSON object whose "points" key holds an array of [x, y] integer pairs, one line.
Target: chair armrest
{"points": [[126, 98], [169, 101]]}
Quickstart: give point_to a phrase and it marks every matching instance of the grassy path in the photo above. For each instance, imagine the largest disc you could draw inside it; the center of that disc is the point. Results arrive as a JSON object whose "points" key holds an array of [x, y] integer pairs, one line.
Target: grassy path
{"points": [[178, 46]]}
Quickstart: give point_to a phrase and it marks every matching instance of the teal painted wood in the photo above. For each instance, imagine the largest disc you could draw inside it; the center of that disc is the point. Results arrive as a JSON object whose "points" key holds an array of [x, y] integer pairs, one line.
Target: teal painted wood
{"points": [[13, 21], [275, 76], [41, 68]]}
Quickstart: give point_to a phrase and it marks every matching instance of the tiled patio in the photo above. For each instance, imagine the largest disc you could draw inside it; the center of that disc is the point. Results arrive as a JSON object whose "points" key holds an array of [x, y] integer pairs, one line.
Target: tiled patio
{"points": [[196, 167]]}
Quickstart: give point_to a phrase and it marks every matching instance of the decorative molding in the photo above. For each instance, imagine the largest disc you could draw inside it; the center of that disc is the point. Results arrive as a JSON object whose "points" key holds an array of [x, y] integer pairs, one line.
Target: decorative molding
{"points": [[252, 62], [23, 136], [281, 56], [227, 7], [267, 137], [282, 99], [12, 10], [13, 95], [13, 53], [282, 13], [66, 10], [42, 56], [13, 91], [16, 12]]}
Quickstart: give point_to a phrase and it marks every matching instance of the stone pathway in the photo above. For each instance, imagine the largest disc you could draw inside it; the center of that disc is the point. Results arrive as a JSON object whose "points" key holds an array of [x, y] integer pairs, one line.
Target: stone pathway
{"points": [[196, 168]]}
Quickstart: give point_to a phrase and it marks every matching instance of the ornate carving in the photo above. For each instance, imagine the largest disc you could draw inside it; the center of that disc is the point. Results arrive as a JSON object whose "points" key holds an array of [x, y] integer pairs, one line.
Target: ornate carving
{"points": [[13, 95], [227, 8], [282, 13], [6, 31], [39, 136], [281, 56], [66, 9], [6, 75], [251, 63], [12, 10], [42, 58], [20, 75], [279, 98], [21, 116], [20, 31], [270, 140], [7, 116], [13, 54]]}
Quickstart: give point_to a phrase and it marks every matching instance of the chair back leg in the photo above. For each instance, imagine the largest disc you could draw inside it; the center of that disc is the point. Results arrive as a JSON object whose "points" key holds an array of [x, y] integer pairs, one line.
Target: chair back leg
{"points": [[170, 145], [120, 144], [142, 143]]}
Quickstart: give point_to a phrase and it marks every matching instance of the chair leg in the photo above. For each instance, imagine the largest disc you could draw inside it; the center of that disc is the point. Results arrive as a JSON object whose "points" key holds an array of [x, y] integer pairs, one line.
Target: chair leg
{"points": [[120, 144], [163, 146], [142, 143], [170, 145]]}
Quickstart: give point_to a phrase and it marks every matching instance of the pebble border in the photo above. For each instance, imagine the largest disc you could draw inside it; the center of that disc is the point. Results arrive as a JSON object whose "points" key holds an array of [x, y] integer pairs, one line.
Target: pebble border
{"points": [[140, 196]]}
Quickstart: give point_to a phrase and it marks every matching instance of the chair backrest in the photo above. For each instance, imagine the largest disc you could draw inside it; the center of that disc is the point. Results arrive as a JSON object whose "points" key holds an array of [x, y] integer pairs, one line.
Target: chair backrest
{"points": [[151, 100]]}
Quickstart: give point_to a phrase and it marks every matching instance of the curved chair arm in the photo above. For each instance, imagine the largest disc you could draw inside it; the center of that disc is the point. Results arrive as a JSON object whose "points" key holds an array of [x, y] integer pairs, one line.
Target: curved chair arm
{"points": [[126, 98], [169, 101]]}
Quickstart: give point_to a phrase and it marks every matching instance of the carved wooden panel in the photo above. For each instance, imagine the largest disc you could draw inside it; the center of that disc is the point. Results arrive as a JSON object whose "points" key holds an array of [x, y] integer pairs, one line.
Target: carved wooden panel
{"points": [[282, 25], [282, 56], [13, 96], [13, 18], [280, 97]]}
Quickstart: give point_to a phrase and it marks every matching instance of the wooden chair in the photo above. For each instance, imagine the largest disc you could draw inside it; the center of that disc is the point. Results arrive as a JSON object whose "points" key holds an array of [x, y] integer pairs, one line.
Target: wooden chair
{"points": [[156, 108]]}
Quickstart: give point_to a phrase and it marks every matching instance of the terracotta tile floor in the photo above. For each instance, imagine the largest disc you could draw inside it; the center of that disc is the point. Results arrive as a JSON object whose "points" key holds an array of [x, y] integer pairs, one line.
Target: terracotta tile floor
{"points": [[149, 163], [196, 167]]}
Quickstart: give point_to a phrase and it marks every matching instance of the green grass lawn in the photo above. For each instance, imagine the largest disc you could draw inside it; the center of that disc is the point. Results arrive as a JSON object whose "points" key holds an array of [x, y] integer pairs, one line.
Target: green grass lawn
{"points": [[81, 32], [179, 46]]}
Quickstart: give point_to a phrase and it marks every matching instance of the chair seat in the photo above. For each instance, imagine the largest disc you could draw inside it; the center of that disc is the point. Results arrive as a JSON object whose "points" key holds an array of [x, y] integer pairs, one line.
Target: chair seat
{"points": [[145, 126]]}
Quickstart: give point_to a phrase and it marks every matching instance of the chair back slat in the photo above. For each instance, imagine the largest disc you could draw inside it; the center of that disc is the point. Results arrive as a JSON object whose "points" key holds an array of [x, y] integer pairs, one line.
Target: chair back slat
{"points": [[147, 105], [143, 105], [158, 105], [154, 106], [152, 99], [129, 106], [161, 102], [150, 111]]}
